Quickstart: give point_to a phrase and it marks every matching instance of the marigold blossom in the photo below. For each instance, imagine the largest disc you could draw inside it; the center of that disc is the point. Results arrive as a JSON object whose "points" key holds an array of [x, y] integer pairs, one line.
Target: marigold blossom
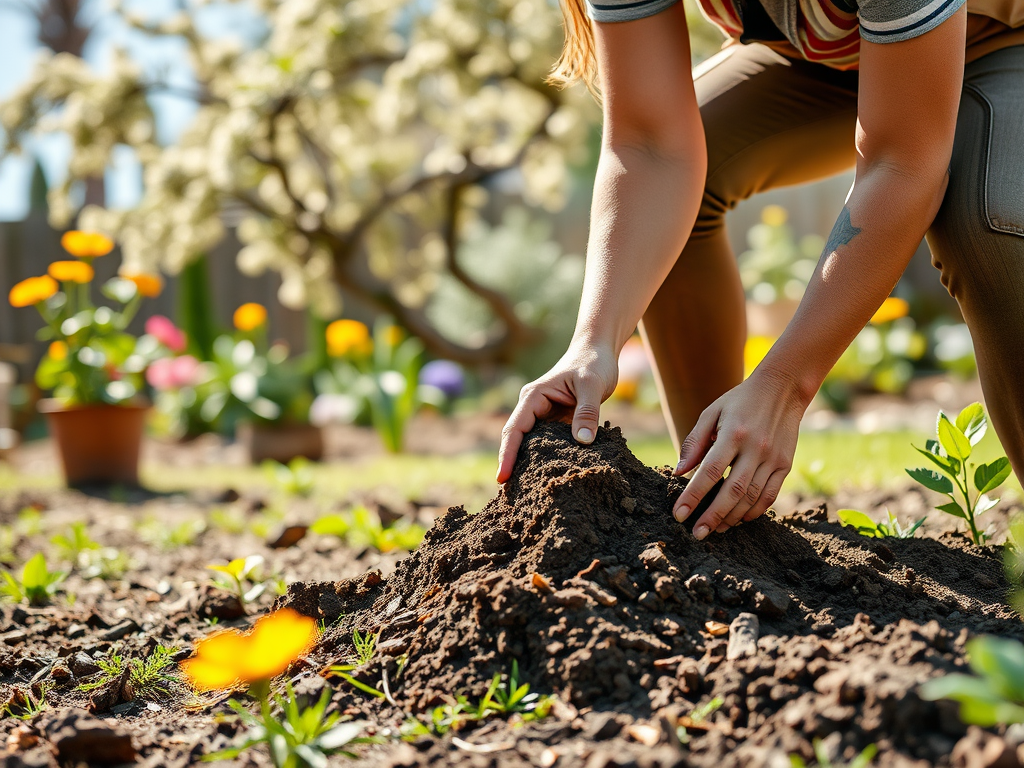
{"points": [[265, 651], [347, 336], [166, 332], [86, 245], [58, 350], [148, 285], [32, 290], [892, 309], [250, 316], [71, 271]]}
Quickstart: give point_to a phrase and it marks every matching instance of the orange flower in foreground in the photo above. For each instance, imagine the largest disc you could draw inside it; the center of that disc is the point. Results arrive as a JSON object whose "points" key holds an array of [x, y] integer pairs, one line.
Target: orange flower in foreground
{"points": [[148, 285], [86, 245], [71, 271], [344, 336], [58, 350], [891, 309], [250, 316], [265, 651], [32, 291]]}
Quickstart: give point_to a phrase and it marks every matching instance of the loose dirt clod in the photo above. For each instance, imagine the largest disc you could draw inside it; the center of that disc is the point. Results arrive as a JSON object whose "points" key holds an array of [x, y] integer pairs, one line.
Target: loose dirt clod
{"points": [[577, 571]]}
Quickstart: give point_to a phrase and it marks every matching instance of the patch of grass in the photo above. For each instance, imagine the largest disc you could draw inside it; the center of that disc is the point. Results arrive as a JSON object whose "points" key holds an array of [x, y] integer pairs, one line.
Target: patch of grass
{"points": [[148, 678], [25, 705], [366, 646], [36, 585]]}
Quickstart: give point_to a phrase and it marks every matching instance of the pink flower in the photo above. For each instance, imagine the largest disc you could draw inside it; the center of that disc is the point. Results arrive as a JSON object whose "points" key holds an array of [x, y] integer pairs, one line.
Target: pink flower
{"points": [[185, 370], [166, 332], [160, 373], [173, 372]]}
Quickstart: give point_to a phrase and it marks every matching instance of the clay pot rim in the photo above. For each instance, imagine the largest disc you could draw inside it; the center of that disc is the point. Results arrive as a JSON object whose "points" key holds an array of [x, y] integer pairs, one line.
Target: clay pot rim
{"points": [[53, 405]]}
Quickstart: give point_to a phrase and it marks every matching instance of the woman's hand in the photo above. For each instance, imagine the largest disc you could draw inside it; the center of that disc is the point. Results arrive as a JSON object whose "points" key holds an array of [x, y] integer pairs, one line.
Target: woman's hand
{"points": [[753, 429], [572, 390]]}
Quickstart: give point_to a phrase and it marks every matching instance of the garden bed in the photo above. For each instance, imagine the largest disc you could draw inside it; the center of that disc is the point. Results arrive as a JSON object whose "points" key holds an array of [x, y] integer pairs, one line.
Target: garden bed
{"points": [[577, 572]]}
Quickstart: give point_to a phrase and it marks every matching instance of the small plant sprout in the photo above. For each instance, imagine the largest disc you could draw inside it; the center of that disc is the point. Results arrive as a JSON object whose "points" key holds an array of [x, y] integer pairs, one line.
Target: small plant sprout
{"points": [[294, 479], [243, 576], [107, 563], [361, 527], [994, 695], [865, 526], [24, 705], [950, 453], [697, 719], [148, 678], [294, 736], [74, 543], [823, 760], [365, 644], [37, 584], [170, 537]]}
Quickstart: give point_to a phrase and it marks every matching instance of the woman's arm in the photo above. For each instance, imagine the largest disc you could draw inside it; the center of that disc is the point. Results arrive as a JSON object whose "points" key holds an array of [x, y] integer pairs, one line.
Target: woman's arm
{"points": [[907, 108], [650, 178]]}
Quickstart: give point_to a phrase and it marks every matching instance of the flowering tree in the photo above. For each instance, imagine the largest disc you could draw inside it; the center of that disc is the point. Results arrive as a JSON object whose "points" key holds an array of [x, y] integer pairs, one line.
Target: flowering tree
{"points": [[355, 141]]}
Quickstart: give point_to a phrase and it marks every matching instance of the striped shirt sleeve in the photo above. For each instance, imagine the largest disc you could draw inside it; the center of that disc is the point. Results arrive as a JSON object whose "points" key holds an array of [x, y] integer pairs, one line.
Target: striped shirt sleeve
{"points": [[889, 21], [625, 10]]}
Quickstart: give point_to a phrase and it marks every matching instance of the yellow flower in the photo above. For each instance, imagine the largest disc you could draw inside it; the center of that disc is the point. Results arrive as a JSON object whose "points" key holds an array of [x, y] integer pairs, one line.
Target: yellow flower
{"points": [[32, 291], [58, 350], [345, 336], [754, 351], [148, 285], [774, 215], [86, 245], [393, 335], [71, 271], [265, 651], [250, 316], [891, 309]]}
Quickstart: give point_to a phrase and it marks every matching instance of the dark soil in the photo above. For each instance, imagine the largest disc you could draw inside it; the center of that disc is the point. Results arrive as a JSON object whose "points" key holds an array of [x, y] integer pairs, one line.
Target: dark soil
{"points": [[577, 572]]}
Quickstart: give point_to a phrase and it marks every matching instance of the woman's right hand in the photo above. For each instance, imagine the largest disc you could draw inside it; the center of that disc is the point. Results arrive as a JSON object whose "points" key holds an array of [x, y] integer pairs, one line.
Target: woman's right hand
{"points": [[572, 390]]}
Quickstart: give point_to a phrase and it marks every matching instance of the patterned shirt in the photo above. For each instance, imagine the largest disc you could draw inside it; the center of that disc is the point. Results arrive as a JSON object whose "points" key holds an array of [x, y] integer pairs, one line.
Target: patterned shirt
{"points": [[824, 31]]}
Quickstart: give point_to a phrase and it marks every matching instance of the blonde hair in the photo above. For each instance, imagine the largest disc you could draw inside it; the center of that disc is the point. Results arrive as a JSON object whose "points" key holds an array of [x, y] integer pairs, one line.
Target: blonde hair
{"points": [[578, 60]]}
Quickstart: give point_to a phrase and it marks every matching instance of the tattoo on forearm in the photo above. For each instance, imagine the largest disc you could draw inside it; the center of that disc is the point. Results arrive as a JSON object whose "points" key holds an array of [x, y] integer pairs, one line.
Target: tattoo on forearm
{"points": [[842, 233]]}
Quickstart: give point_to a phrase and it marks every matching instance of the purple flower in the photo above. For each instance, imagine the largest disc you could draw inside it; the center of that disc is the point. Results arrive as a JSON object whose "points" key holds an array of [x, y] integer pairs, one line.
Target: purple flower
{"points": [[445, 376]]}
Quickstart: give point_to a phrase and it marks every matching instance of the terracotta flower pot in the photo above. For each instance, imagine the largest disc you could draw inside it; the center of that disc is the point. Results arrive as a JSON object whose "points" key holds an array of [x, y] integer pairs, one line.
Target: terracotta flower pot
{"points": [[282, 442], [98, 444]]}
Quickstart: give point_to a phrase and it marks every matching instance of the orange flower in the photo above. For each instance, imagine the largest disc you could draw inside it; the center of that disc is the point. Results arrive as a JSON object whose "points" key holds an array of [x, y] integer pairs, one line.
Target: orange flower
{"points": [[32, 291], [250, 316], [265, 651], [71, 271], [58, 350], [86, 245], [891, 309], [345, 336], [148, 285]]}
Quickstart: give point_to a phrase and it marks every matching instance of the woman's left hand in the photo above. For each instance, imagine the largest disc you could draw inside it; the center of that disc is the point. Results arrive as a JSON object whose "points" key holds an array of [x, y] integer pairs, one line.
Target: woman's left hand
{"points": [[753, 429]]}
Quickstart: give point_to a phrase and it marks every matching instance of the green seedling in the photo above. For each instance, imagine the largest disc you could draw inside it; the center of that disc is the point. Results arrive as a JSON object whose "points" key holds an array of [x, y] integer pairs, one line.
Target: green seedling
{"points": [[25, 705], [365, 645], [296, 737], [295, 479], [37, 584], [29, 522], [74, 543], [994, 695], [697, 717], [167, 538], [343, 670], [106, 563], [148, 678], [822, 759], [228, 520], [505, 696], [950, 453], [865, 526], [244, 577], [361, 527]]}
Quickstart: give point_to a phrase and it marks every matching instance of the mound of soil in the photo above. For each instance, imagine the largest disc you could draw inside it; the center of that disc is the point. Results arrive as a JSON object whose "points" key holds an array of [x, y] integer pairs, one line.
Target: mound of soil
{"points": [[578, 572]]}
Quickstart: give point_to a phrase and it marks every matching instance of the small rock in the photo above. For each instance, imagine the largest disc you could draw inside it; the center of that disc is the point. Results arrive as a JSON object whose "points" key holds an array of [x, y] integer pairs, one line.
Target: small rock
{"points": [[21, 738], [79, 737], [601, 725], [979, 749], [647, 735], [216, 603], [701, 588], [772, 603], [743, 634], [76, 631], [16, 637], [82, 665], [19, 615], [655, 560], [121, 630]]}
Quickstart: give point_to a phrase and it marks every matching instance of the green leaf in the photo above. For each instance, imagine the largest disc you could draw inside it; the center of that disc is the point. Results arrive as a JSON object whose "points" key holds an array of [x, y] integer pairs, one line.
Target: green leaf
{"points": [[984, 504], [988, 477], [858, 520], [953, 439], [972, 422], [953, 508], [942, 462], [119, 289], [932, 480], [34, 575], [341, 735], [1001, 663]]}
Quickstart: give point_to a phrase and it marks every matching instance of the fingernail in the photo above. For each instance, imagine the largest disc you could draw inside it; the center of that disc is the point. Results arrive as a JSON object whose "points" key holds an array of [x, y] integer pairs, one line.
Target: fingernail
{"points": [[585, 435], [682, 513], [679, 469], [700, 532]]}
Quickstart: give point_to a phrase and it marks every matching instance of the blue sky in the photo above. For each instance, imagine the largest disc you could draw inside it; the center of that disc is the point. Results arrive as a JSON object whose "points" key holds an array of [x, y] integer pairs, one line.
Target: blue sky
{"points": [[166, 58]]}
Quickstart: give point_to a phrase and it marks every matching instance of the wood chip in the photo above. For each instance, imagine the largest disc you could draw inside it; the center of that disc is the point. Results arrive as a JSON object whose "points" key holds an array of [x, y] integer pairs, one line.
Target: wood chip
{"points": [[647, 735], [482, 749], [716, 628], [540, 582]]}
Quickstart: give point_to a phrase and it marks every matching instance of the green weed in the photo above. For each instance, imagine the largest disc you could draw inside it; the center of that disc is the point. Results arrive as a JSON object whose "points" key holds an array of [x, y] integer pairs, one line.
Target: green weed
{"points": [[74, 543], [365, 645], [37, 583], [865, 526], [697, 716], [994, 695], [295, 478], [24, 705], [361, 527], [148, 678]]}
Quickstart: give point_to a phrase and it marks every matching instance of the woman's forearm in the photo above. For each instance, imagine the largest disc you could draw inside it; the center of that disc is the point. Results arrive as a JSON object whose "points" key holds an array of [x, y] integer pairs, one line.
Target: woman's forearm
{"points": [[645, 204], [876, 234]]}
